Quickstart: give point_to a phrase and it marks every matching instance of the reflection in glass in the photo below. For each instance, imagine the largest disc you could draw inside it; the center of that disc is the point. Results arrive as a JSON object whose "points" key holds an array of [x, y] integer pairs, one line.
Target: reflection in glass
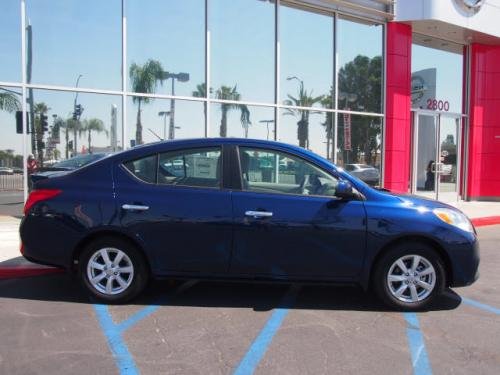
{"points": [[436, 79], [307, 128], [10, 42], [76, 123], [158, 123], [359, 141], [242, 52], [73, 37], [11, 151], [360, 66], [230, 120], [171, 34], [306, 46]]}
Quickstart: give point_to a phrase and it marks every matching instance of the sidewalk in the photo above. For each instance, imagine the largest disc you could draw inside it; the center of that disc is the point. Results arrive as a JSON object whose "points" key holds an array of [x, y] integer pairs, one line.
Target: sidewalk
{"points": [[11, 260]]}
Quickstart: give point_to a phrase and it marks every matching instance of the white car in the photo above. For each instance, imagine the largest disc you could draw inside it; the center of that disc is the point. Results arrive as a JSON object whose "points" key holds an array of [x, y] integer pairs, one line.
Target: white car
{"points": [[364, 172], [6, 170]]}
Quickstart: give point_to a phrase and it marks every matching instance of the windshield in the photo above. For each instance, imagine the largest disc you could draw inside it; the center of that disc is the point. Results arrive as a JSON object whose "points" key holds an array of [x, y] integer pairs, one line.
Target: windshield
{"points": [[78, 161]]}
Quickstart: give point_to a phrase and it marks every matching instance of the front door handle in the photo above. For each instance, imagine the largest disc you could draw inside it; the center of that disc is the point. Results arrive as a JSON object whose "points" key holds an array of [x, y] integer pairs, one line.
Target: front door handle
{"points": [[135, 207], [258, 214]]}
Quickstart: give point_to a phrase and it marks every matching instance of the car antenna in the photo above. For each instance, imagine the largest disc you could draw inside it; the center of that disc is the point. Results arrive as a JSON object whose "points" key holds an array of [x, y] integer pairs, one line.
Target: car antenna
{"points": [[160, 138]]}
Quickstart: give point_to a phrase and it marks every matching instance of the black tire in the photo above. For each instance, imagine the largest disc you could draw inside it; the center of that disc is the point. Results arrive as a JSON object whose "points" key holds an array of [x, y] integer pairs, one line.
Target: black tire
{"points": [[383, 267], [136, 280]]}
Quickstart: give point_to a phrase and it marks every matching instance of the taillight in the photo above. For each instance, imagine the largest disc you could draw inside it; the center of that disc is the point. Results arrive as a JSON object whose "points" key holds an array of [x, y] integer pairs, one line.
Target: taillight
{"points": [[40, 195]]}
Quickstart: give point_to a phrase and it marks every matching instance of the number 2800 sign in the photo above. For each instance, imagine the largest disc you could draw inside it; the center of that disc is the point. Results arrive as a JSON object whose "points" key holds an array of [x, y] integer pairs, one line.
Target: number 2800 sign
{"points": [[438, 105]]}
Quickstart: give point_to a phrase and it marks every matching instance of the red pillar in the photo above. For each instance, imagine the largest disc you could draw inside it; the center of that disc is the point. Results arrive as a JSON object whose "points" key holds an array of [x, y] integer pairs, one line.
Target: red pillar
{"points": [[483, 179], [397, 115]]}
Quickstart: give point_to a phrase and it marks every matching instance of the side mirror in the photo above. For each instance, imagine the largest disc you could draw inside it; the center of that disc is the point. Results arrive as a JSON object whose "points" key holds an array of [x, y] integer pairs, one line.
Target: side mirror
{"points": [[344, 190]]}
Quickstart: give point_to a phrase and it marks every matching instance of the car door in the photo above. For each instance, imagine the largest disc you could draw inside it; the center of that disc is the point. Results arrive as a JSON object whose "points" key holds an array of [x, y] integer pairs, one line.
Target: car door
{"points": [[173, 202], [288, 224]]}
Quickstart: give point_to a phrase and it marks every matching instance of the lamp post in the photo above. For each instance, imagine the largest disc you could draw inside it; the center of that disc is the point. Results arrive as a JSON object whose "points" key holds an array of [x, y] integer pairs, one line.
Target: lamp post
{"points": [[164, 114], [267, 122], [181, 77]]}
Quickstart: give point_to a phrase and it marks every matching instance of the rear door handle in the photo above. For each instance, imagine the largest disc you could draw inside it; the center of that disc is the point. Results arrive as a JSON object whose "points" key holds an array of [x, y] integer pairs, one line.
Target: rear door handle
{"points": [[258, 214], [135, 207]]}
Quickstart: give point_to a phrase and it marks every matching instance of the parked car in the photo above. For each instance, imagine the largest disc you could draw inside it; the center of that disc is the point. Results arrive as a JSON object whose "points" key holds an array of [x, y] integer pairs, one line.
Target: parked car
{"points": [[6, 171], [364, 172], [124, 218]]}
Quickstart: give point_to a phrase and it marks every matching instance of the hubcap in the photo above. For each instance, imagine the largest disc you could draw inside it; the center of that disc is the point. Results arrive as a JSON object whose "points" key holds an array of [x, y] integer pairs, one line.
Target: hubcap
{"points": [[411, 278], [110, 271]]}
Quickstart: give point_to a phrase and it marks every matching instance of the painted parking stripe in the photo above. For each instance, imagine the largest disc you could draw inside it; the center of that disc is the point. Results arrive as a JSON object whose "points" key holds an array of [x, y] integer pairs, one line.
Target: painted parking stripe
{"points": [[419, 358], [114, 332], [481, 305], [260, 345]]}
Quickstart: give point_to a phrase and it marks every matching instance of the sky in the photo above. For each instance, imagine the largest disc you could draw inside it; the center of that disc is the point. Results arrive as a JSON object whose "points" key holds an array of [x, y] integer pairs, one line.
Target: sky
{"points": [[73, 37]]}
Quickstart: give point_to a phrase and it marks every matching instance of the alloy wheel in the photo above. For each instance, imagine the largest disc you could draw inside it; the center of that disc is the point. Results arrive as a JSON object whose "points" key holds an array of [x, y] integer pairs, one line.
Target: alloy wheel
{"points": [[110, 271]]}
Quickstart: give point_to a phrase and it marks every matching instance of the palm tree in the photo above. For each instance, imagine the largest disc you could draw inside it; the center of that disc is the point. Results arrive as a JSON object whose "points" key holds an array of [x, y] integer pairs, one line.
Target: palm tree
{"points": [[69, 126], [40, 109], [96, 125], [304, 99], [9, 102], [144, 79], [231, 93]]}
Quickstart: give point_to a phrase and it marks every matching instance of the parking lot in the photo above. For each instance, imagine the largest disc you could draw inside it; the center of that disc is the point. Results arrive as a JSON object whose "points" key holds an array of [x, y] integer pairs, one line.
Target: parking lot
{"points": [[48, 325]]}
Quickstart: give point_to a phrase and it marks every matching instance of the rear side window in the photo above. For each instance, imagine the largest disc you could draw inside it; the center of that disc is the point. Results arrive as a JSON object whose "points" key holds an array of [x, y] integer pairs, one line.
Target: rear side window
{"points": [[198, 168], [144, 168]]}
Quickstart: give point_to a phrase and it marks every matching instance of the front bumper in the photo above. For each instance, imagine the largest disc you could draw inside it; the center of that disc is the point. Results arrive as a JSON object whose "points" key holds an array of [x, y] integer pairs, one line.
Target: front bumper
{"points": [[465, 264]]}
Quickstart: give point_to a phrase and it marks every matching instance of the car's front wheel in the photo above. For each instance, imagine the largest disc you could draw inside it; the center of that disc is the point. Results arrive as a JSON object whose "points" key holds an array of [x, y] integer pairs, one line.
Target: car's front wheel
{"points": [[112, 270], [409, 277]]}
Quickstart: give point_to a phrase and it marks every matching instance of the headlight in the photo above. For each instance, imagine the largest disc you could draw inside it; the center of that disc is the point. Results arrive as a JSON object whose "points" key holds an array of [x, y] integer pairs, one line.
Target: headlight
{"points": [[454, 218]]}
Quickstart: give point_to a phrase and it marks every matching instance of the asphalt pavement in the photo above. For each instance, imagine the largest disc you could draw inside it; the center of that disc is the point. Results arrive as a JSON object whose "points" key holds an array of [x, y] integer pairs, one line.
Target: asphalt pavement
{"points": [[48, 325]]}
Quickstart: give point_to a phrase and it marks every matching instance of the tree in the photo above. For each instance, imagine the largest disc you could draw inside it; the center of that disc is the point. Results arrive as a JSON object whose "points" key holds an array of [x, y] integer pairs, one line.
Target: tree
{"points": [[303, 99], [41, 109], [144, 79], [69, 126], [9, 102], [362, 77], [231, 93], [93, 125]]}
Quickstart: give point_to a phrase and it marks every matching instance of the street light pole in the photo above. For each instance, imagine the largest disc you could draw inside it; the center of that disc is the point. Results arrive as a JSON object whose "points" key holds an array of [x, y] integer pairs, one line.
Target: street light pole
{"points": [[164, 114], [267, 122]]}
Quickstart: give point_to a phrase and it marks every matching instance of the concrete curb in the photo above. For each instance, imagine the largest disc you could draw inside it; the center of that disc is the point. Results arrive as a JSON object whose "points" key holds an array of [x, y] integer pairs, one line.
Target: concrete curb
{"points": [[484, 221], [19, 271]]}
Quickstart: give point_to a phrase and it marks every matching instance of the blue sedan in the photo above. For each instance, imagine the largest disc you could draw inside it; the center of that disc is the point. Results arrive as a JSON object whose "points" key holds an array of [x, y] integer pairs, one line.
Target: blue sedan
{"points": [[243, 209]]}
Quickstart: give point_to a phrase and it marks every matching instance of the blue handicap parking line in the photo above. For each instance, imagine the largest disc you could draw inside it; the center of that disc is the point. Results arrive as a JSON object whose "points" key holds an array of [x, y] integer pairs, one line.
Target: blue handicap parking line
{"points": [[260, 345], [481, 306], [419, 358]]}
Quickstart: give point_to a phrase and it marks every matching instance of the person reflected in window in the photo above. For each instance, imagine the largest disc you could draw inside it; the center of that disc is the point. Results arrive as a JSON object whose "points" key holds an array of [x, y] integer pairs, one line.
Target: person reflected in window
{"points": [[430, 176]]}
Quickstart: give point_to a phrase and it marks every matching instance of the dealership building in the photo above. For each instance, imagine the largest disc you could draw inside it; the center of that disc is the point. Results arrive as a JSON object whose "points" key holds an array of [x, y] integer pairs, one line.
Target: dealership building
{"points": [[409, 88]]}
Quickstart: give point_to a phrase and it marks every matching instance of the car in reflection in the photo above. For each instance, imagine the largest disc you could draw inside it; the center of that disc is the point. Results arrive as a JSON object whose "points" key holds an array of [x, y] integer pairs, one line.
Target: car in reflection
{"points": [[364, 172], [228, 213], [6, 171], [70, 164]]}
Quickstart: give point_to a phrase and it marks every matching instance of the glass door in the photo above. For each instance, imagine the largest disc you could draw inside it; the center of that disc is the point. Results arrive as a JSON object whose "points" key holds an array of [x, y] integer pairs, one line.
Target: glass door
{"points": [[436, 156]]}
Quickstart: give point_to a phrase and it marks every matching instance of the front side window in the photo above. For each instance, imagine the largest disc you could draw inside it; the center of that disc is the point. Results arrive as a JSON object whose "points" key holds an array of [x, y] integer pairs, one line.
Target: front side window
{"points": [[199, 168], [270, 171]]}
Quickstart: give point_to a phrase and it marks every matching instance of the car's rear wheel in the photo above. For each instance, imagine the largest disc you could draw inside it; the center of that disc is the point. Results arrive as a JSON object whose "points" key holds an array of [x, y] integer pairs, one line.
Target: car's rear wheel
{"points": [[409, 277], [112, 270]]}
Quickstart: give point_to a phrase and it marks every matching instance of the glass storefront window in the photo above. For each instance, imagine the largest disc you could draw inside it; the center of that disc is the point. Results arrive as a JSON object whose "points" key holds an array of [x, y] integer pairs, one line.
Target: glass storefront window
{"points": [[437, 76], [156, 123], [94, 129], [10, 42], [168, 38], [67, 39], [242, 52], [309, 129], [242, 121], [306, 46], [360, 65], [359, 149]]}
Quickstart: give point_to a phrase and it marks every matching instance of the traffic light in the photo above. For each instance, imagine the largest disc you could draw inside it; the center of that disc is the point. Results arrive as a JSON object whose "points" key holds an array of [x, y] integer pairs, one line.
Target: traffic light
{"points": [[70, 145], [19, 122], [78, 112], [44, 124]]}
